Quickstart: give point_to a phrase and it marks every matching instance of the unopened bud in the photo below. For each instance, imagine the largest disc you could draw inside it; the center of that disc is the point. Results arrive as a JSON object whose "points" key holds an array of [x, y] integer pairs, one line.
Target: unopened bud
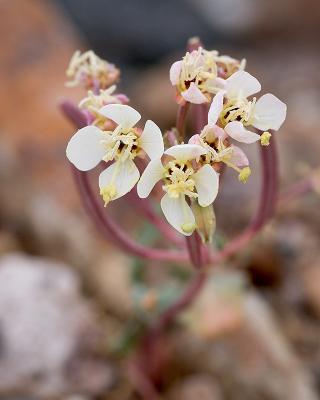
{"points": [[205, 220], [171, 137]]}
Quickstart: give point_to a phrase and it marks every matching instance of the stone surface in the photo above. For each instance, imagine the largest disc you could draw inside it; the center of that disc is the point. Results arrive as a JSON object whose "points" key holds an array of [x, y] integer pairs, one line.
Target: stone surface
{"points": [[197, 387], [48, 331], [251, 361]]}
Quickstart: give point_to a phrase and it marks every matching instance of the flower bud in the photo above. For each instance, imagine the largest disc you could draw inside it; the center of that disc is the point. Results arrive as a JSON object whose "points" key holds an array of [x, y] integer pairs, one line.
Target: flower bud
{"points": [[205, 220]]}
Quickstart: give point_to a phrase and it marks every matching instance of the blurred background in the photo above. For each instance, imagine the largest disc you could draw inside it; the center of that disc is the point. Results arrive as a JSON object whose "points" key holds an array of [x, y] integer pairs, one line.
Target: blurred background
{"points": [[72, 306]]}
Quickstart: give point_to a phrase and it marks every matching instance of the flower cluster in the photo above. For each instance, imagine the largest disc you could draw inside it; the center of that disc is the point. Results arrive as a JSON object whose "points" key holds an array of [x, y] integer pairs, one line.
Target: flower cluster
{"points": [[189, 170], [90, 71], [201, 74]]}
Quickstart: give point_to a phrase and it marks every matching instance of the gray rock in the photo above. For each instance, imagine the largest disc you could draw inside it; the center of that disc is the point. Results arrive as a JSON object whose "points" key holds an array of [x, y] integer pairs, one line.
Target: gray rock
{"points": [[48, 332]]}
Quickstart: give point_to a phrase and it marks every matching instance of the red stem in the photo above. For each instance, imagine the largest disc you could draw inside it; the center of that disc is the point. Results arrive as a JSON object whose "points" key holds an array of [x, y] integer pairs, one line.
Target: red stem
{"points": [[112, 231], [266, 207], [181, 119]]}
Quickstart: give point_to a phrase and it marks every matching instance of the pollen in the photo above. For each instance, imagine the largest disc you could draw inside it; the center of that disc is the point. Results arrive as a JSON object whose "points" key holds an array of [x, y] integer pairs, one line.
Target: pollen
{"points": [[244, 174], [121, 144], [265, 138], [178, 180], [108, 193], [198, 67], [188, 227], [240, 110]]}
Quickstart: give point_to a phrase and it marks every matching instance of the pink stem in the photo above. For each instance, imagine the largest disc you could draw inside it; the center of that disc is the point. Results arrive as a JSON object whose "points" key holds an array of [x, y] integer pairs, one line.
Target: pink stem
{"points": [[74, 114], [112, 231], [142, 383], [104, 223], [181, 119], [200, 116], [266, 207], [195, 249]]}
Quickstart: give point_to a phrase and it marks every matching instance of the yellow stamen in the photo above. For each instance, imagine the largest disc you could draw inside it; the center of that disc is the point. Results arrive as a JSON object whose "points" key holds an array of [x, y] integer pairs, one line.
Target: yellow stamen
{"points": [[178, 179], [108, 193], [240, 110], [265, 138], [244, 174], [188, 227]]}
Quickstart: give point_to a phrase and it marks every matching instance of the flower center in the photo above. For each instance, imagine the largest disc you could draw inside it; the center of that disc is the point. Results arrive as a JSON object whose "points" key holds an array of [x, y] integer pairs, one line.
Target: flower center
{"points": [[237, 110], [197, 67], [121, 144], [178, 179]]}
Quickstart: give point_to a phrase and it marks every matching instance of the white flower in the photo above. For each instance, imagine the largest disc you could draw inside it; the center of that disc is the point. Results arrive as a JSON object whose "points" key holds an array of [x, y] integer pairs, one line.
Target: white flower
{"points": [[90, 145], [228, 65], [195, 76], [94, 102], [237, 112], [181, 179], [90, 71], [218, 149]]}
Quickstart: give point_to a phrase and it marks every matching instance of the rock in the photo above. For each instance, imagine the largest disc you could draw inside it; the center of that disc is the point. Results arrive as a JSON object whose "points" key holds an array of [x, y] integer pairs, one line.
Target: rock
{"points": [[111, 280], [310, 279], [48, 331], [251, 361], [196, 387]]}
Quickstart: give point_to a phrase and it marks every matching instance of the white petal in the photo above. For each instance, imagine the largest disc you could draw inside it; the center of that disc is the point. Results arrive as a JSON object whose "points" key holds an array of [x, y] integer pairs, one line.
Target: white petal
{"points": [[242, 84], [194, 95], [84, 149], [215, 108], [123, 115], [195, 139], [150, 176], [238, 157], [178, 213], [151, 140], [269, 113], [123, 175], [185, 152], [175, 71], [212, 132], [220, 83], [207, 185], [237, 131]]}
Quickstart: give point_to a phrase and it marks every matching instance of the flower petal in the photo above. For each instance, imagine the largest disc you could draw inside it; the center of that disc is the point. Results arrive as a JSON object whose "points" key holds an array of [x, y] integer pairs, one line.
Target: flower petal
{"points": [[150, 176], [237, 131], [123, 175], [194, 95], [269, 113], [238, 157], [84, 149], [215, 108], [151, 140], [212, 132], [207, 185], [122, 114], [178, 214], [185, 152], [175, 71], [242, 84], [195, 139]]}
